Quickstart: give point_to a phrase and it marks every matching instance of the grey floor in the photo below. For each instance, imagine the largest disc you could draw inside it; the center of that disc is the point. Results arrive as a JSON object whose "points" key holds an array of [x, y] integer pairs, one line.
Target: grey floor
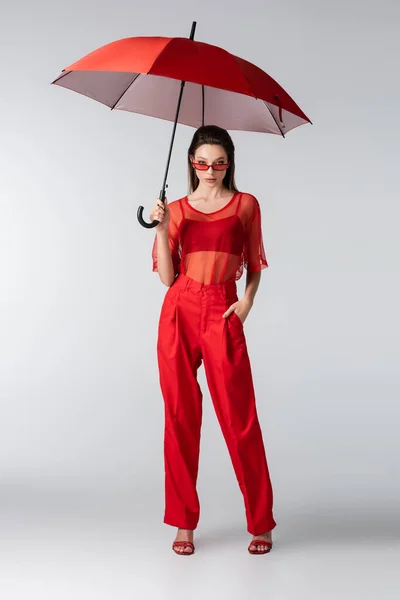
{"points": [[70, 546]]}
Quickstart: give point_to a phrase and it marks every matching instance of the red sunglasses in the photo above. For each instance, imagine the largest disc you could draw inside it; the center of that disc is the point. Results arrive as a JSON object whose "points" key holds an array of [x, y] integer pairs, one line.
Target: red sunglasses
{"points": [[215, 166]]}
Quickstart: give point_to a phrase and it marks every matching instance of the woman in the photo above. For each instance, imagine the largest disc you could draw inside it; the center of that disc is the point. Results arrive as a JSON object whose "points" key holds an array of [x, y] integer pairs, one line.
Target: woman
{"points": [[202, 243]]}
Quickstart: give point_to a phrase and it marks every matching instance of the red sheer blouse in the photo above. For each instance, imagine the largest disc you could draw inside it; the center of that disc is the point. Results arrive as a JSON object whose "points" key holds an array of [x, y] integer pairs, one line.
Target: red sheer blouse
{"points": [[214, 247]]}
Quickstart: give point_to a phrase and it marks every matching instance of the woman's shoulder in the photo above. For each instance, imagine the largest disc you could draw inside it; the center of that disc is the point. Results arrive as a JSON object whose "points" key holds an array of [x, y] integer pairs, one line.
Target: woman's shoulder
{"points": [[248, 203], [248, 198], [174, 204], [176, 209]]}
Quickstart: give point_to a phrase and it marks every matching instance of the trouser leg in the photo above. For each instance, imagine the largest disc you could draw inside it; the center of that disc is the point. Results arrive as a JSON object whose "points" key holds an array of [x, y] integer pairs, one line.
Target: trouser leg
{"points": [[230, 381], [179, 358]]}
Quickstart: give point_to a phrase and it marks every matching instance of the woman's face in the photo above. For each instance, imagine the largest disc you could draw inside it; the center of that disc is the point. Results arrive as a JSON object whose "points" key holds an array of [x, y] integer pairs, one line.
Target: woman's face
{"points": [[210, 154]]}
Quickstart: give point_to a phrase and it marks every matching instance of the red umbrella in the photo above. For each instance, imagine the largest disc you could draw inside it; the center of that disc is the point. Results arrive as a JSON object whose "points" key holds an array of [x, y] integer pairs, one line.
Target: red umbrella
{"points": [[148, 75]]}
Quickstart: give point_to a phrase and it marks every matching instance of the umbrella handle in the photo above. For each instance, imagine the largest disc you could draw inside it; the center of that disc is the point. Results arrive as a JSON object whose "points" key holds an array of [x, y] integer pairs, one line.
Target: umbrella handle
{"points": [[142, 221], [140, 213]]}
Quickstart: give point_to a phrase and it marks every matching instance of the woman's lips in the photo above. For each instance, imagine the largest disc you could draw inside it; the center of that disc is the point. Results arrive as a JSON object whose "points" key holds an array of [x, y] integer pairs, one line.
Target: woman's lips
{"points": [[210, 179]]}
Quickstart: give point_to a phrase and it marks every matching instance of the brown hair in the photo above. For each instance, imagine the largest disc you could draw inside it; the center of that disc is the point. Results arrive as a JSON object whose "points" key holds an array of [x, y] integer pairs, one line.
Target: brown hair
{"points": [[212, 134]]}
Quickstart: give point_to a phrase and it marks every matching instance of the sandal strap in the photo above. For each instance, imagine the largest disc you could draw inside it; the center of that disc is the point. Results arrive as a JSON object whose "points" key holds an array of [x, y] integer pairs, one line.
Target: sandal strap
{"points": [[182, 543], [260, 543]]}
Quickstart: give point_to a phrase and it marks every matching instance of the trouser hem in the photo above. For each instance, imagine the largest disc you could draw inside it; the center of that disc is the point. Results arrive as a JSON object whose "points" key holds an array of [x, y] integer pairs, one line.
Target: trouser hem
{"points": [[180, 524], [269, 526]]}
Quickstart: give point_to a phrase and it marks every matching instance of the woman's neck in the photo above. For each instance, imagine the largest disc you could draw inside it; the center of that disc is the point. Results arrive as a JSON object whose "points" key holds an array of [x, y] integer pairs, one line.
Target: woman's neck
{"points": [[211, 193]]}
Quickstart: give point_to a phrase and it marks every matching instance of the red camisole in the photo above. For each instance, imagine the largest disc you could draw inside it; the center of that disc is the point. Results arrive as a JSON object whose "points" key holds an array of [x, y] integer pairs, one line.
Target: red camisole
{"points": [[214, 247]]}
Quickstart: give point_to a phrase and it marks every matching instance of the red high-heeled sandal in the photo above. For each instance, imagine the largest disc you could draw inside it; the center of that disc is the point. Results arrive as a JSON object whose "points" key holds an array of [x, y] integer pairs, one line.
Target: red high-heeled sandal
{"points": [[183, 543], [257, 544]]}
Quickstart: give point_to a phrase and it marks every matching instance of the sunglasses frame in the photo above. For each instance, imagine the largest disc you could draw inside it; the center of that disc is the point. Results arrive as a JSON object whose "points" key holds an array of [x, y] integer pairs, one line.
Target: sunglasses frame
{"points": [[201, 167]]}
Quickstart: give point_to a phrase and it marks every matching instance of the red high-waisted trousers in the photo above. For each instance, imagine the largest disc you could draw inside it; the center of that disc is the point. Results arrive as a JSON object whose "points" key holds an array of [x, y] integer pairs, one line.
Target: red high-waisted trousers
{"points": [[191, 330]]}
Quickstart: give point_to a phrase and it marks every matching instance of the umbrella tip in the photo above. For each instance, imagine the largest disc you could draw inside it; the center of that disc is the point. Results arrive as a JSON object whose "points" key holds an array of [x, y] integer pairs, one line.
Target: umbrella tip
{"points": [[193, 30]]}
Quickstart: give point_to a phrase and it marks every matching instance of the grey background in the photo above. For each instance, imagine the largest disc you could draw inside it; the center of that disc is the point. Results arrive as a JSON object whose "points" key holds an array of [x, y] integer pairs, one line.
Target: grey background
{"points": [[81, 424]]}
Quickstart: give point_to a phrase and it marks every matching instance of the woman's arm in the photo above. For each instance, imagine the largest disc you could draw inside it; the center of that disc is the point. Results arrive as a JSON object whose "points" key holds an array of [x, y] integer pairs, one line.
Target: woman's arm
{"points": [[165, 250], [165, 266], [252, 283], [255, 261]]}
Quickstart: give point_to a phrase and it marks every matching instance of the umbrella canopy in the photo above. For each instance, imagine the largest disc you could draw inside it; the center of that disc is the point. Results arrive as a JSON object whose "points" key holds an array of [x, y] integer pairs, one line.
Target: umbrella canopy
{"points": [[148, 75], [143, 75]]}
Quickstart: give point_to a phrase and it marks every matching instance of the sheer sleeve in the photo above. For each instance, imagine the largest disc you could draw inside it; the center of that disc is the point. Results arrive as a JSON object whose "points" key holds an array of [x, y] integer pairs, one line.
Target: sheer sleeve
{"points": [[254, 253], [174, 246]]}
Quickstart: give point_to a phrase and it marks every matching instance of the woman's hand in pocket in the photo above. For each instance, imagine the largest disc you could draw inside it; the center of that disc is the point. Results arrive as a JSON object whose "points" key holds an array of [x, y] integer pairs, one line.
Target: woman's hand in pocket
{"points": [[241, 308]]}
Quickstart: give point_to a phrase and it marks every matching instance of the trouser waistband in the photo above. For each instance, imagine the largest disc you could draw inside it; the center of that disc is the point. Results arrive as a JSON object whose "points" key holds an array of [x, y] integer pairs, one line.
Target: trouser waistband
{"points": [[185, 282]]}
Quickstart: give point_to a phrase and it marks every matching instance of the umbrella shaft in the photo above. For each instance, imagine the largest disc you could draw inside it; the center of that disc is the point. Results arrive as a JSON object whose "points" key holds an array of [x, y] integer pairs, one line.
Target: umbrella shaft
{"points": [[162, 193]]}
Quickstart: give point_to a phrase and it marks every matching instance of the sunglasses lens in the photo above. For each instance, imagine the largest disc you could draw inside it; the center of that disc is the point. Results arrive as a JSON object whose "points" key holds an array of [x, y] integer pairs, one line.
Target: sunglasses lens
{"points": [[216, 167]]}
